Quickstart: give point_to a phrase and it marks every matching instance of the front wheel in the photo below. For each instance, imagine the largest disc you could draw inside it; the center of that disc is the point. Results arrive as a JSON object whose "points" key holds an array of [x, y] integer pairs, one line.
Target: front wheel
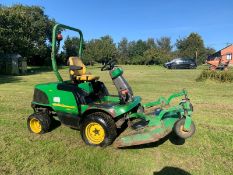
{"points": [[179, 129], [98, 129], [173, 67], [38, 123]]}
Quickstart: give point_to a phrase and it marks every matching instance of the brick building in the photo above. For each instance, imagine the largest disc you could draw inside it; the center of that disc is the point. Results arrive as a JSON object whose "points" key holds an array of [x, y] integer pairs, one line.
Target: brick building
{"points": [[225, 54]]}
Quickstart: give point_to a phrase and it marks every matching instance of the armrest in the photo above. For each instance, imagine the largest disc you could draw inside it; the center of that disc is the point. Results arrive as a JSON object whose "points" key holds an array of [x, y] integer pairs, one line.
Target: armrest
{"points": [[72, 67]]}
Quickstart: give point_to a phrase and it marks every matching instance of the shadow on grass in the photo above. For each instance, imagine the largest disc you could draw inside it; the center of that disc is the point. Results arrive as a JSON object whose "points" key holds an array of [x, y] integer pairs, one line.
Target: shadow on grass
{"points": [[42, 69], [171, 137], [171, 171], [30, 71], [9, 79], [54, 124], [37, 70]]}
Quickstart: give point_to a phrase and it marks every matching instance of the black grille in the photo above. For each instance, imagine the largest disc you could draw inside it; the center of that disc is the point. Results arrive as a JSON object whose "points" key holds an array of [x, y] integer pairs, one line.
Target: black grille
{"points": [[40, 97]]}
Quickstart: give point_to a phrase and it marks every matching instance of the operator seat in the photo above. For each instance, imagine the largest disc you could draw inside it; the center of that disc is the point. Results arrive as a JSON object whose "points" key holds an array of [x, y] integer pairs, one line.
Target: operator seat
{"points": [[78, 70]]}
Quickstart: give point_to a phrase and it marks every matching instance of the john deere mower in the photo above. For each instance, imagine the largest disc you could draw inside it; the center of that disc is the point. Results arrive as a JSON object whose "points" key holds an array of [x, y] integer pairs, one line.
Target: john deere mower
{"points": [[84, 103]]}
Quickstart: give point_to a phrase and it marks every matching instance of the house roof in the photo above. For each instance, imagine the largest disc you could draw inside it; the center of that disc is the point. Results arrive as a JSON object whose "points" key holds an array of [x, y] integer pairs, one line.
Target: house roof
{"points": [[224, 48], [218, 52]]}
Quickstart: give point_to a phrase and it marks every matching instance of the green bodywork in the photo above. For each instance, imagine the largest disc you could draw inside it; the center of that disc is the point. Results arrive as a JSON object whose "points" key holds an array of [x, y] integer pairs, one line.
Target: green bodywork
{"points": [[159, 124], [64, 101], [59, 100], [116, 73]]}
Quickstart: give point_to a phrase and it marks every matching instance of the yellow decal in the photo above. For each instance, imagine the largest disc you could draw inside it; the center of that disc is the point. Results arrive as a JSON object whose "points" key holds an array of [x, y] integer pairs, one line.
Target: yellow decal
{"points": [[63, 106]]}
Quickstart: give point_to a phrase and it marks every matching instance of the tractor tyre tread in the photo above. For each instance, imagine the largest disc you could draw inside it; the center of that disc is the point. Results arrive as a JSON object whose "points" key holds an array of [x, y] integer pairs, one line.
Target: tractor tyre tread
{"points": [[44, 119], [184, 135], [106, 122]]}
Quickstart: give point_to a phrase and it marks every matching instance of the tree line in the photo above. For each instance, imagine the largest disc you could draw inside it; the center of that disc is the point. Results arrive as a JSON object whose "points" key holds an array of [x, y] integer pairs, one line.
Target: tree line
{"points": [[27, 30]]}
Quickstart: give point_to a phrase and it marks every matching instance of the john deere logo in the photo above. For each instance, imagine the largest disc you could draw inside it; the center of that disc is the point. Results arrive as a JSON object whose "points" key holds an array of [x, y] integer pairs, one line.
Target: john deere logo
{"points": [[56, 99]]}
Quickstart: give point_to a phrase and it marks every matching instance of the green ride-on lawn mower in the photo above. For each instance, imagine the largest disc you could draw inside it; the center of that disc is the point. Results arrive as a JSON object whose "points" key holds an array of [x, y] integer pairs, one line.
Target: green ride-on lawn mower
{"points": [[84, 103]]}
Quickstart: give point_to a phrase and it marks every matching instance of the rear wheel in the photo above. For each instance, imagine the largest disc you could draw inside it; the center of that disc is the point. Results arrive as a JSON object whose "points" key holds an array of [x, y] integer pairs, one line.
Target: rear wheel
{"points": [[192, 67], [98, 129], [38, 123], [181, 132]]}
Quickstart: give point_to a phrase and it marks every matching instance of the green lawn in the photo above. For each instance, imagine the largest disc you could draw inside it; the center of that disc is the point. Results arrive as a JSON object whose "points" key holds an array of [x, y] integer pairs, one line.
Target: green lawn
{"points": [[209, 151]]}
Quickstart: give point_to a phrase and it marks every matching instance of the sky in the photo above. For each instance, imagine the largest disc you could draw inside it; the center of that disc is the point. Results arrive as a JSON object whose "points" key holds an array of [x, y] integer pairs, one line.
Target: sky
{"points": [[141, 19]]}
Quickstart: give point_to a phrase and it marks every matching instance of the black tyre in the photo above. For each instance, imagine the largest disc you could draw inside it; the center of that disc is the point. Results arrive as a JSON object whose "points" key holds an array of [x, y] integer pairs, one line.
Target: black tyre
{"points": [[192, 67], [38, 123], [173, 67], [179, 129], [98, 129]]}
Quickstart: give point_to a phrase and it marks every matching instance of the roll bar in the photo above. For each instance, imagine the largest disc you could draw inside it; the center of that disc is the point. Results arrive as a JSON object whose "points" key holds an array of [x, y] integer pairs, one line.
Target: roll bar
{"points": [[54, 48]]}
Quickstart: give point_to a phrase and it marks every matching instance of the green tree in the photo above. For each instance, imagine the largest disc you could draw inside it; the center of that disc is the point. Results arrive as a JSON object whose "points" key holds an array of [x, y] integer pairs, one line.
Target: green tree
{"points": [[137, 48], [209, 51], [165, 49], [91, 52], [123, 51], [164, 44], [71, 46], [151, 56], [136, 59], [150, 43], [192, 47], [100, 50], [155, 56], [26, 30]]}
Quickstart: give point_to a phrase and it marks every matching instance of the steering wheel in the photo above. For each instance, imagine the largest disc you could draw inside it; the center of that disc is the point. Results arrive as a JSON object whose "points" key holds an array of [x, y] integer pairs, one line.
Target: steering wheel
{"points": [[109, 65]]}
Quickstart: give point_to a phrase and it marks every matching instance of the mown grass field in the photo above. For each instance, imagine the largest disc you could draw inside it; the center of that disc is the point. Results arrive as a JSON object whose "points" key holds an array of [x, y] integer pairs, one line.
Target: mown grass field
{"points": [[209, 151]]}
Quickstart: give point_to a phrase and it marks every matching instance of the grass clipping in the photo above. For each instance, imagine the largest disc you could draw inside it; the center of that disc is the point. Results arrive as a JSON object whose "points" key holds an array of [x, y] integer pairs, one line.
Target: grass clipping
{"points": [[222, 76]]}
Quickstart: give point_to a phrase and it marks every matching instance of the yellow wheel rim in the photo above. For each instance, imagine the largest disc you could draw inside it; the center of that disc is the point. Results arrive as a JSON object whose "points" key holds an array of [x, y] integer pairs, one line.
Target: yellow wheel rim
{"points": [[183, 130], [35, 125], [95, 133]]}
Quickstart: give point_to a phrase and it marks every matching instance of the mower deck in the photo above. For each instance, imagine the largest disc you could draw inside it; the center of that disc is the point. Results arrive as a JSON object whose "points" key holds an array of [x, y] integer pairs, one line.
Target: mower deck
{"points": [[146, 134]]}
